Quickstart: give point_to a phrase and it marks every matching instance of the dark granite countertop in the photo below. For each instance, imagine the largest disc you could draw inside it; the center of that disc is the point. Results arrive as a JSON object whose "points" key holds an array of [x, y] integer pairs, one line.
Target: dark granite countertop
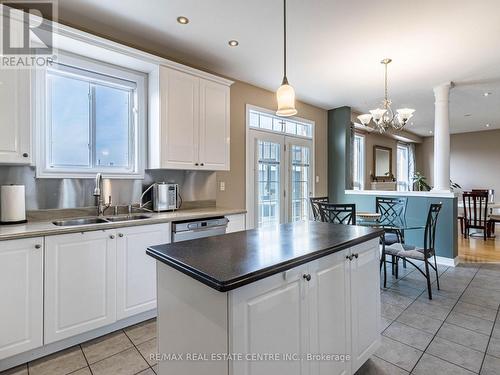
{"points": [[229, 261]]}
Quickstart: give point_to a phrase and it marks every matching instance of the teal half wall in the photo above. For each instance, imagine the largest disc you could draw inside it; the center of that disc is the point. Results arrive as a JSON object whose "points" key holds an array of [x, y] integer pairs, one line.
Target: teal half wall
{"points": [[339, 164]]}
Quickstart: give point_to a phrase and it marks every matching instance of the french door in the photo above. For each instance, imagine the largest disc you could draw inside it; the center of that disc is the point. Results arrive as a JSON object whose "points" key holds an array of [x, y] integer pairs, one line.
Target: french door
{"points": [[281, 178]]}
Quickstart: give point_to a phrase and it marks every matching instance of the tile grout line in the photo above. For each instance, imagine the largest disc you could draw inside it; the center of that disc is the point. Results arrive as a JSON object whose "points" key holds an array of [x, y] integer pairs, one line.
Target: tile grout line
{"points": [[434, 336], [489, 340], [136, 348], [86, 360]]}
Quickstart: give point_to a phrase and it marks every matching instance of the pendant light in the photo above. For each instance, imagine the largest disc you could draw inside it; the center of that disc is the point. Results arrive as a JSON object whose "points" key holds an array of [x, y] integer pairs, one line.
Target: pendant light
{"points": [[286, 93]]}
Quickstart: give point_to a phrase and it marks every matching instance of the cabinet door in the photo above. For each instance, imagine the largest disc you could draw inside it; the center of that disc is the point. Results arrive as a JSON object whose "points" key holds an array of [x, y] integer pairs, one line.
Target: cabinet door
{"points": [[329, 303], [179, 119], [15, 129], [365, 302], [21, 293], [269, 316], [236, 223], [80, 283], [214, 126], [136, 271]]}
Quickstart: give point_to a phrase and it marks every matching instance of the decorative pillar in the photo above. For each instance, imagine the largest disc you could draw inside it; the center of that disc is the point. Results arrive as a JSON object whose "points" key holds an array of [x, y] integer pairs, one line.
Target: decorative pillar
{"points": [[442, 138]]}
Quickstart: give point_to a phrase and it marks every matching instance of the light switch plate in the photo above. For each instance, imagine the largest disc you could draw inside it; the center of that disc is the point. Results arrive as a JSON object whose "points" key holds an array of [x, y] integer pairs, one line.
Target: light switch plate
{"points": [[222, 185]]}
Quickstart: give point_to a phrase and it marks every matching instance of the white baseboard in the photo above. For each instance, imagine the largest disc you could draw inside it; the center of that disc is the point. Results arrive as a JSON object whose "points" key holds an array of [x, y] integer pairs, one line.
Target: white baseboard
{"points": [[449, 262]]}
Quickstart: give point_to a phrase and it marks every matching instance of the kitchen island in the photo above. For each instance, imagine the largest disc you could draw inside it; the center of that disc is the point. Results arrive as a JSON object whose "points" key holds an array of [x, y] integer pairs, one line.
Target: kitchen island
{"points": [[300, 298]]}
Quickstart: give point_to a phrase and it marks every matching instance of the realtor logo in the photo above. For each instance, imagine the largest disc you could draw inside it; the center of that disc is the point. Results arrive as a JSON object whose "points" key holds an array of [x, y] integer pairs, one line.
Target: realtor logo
{"points": [[26, 34]]}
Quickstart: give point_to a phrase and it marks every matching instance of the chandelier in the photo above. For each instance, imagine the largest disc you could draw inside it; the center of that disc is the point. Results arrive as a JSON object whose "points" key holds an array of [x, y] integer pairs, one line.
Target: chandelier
{"points": [[384, 118]]}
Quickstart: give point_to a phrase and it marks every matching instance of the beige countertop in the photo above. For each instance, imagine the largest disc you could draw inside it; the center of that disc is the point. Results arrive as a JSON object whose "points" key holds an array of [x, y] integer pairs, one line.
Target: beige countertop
{"points": [[47, 228]]}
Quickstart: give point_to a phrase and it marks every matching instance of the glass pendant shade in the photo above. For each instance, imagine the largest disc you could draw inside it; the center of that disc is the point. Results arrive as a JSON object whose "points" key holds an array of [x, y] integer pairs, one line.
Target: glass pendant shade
{"points": [[404, 114], [365, 119], [286, 100], [378, 113]]}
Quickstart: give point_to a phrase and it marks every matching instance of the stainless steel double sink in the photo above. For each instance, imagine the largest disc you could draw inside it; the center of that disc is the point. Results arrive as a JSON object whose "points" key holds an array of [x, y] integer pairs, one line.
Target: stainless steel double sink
{"points": [[99, 220]]}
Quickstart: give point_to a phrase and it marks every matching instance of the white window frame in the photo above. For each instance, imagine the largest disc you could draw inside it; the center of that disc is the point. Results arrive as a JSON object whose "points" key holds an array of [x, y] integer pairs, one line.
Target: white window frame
{"points": [[69, 62], [251, 160], [362, 159], [401, 184]]}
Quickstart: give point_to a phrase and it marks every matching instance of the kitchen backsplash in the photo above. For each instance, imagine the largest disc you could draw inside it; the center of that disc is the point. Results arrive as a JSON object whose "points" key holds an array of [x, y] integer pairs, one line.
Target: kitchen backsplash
{"points": [[50, 193]]}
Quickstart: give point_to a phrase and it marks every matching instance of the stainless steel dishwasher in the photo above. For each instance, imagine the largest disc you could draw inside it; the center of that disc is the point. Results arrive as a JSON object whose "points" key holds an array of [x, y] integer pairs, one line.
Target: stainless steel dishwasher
{"points": [[191, 229]]}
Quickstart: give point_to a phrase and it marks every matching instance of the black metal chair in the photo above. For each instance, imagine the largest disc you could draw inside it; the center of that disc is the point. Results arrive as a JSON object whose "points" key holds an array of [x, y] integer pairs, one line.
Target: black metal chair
{"points": [[393, 212], [338, 213], [314, 206], [476, 214], [411, 253]]}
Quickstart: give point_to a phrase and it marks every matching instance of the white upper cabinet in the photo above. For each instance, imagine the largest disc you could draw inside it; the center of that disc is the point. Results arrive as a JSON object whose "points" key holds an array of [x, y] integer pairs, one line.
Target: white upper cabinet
{"points": [[15, 124], [214, 126], [21, 293], [188, 121]]}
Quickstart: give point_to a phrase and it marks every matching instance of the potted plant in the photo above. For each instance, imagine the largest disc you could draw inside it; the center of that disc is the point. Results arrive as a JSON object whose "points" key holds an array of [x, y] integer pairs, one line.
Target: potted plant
{"points": [[419, 182]]}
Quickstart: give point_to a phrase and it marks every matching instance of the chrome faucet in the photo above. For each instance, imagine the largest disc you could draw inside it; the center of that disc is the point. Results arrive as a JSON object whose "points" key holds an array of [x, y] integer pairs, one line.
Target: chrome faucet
{"points": [[101, 206]]}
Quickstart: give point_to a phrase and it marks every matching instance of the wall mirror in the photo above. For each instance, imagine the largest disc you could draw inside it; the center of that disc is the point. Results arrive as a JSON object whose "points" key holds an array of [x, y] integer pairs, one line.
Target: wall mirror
{"points": [[382, 161]]}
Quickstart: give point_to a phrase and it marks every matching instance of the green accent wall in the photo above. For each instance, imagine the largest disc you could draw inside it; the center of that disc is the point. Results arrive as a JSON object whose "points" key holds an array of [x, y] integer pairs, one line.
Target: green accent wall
{"points": [[339, 144]]}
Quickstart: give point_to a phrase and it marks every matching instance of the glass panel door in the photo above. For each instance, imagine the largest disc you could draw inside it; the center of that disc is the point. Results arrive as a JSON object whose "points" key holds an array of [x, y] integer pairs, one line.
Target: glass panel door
{"points": [[300, 173], [269, 170]]}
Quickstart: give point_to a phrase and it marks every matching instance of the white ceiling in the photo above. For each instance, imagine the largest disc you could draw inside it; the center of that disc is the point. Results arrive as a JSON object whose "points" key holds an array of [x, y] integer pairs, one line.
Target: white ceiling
{"points": [[334, 47]]}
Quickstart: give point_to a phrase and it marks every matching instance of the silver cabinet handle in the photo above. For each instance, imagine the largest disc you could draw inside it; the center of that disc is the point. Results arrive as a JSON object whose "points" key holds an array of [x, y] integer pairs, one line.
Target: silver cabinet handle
{"points": [[120, 234], [307, 277], [38, 246], [356, 255], [112, 236], [349, 257]]}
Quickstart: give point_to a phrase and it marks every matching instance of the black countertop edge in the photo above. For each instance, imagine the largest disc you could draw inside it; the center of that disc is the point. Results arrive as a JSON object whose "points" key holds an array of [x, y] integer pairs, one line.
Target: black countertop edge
{"points": [[223, 286]]}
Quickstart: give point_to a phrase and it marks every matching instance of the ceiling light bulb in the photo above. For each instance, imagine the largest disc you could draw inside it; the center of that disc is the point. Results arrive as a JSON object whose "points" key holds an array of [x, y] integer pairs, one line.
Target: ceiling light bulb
{"points": [[233, 43], [430, 131], [487, 94], [183, 20], [487, 125]]}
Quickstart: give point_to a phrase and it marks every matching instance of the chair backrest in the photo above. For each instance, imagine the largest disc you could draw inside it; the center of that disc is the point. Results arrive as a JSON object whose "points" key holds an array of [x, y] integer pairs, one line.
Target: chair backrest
{"points": [[430, 227], [392, 210], [475, 208], [338, 213], [314, 206]]}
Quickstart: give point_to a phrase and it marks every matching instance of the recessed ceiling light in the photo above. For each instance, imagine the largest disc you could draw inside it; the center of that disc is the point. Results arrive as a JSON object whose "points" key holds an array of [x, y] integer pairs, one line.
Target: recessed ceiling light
{"points": [[430, 131], [183, 20], [233, 43], [487, 125], [487, 94], [411, 123]]}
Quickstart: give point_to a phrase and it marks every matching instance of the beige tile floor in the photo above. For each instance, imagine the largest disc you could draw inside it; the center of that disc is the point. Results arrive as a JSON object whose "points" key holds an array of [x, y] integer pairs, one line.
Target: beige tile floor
{"points": [[124, 352]]}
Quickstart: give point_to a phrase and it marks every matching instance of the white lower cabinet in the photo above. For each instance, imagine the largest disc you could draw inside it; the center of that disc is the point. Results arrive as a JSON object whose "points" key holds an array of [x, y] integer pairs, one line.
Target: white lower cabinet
{"points": [[136, 271], [328, 306], [236, 223], [80, 283], [21, 293], [365, 300]]}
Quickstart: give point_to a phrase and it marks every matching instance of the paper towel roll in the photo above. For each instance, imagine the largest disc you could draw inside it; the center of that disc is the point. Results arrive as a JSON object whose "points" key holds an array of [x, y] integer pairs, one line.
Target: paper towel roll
{"points": [[13, 204]]}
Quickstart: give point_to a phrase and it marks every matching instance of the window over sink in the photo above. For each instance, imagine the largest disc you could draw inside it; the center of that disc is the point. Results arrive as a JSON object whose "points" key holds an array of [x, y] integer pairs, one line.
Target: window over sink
{"points": [[91, 118]]}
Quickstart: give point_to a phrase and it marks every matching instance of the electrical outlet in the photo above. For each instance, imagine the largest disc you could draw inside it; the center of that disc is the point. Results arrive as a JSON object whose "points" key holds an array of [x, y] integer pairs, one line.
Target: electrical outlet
{"points": [[317, 179], [222, 186]]}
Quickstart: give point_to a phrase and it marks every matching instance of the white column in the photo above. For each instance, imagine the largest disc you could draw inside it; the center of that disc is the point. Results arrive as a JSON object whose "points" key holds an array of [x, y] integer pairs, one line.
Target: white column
{"points": [[442, 138]]}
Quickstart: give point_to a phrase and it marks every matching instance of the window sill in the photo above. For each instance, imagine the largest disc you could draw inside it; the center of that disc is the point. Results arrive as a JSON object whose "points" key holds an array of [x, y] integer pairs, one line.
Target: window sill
{"points": [[92, 174]]}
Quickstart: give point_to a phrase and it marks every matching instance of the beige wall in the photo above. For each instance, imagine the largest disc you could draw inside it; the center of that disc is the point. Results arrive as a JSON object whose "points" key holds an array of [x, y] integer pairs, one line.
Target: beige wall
{"points": [[235, 180], [474, 159], [374, 139]]}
